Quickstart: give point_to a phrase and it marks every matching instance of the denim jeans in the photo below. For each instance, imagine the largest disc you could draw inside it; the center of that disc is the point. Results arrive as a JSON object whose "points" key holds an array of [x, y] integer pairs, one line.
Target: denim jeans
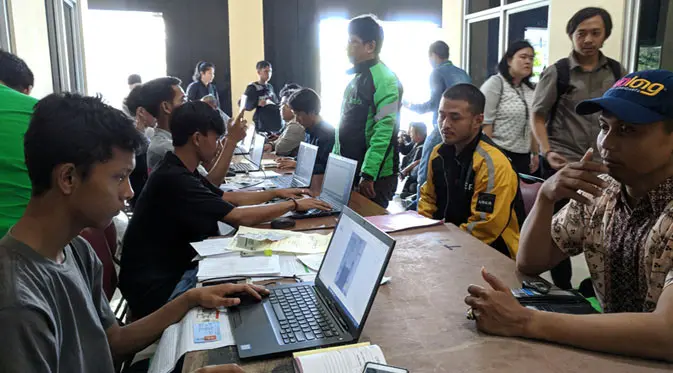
{"points": [[188, 281], [433, 139]]}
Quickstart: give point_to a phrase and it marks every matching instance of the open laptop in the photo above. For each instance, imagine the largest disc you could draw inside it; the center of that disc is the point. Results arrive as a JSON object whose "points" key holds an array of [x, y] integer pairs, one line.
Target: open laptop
{"points": [[254, 162], [301, 178], [244, 146], [331, 311], [336, 187]]}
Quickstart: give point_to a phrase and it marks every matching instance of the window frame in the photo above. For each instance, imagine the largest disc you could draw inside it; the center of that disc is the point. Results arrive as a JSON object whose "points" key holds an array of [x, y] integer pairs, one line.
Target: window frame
{"points": [[58, 46], [502, 12], [6, 32]]}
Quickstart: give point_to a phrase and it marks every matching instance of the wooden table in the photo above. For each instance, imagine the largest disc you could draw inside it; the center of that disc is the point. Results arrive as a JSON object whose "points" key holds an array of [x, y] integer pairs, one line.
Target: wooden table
{"points": [[418, 318]]}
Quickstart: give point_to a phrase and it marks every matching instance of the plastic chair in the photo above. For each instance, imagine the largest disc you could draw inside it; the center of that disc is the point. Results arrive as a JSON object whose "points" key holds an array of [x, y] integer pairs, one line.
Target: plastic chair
{"points": [[530, 187], [98, 239]]}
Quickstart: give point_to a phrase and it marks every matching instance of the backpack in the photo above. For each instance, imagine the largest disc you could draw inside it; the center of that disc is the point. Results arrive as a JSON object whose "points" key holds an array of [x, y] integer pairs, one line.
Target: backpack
{"points": [[563, 83]]}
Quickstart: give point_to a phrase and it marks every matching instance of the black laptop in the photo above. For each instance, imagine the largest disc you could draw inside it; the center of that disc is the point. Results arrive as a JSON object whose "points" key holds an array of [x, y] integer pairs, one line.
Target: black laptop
{"points": [[331, 311], [254, 162], [336, 187], [301, 178]]}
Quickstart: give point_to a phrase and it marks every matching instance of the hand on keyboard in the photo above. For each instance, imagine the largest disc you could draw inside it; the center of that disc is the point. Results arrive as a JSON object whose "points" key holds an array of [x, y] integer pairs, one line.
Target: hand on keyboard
{"points": [[307, 204]]}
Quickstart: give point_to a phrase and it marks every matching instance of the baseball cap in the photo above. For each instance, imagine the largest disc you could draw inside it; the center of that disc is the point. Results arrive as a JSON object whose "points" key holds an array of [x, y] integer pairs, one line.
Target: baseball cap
{"points": [[638, 98]]}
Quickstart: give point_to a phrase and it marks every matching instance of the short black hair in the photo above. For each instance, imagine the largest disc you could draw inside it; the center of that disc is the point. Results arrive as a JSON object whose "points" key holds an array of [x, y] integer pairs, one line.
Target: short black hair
{"points": [[134, 79], [469, 93], [420, 128], [157, 91], [503, 65], [367, 28], [262, 65], [288, 89], [586, 13], [133, 100], [201, 67], [70, 128], [14, 72], [192, 117], [306, 101], [440, 48]]}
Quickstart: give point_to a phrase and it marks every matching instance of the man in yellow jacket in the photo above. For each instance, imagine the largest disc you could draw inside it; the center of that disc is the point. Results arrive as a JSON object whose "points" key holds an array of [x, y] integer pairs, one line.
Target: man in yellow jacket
{"points": [[471, 183]]}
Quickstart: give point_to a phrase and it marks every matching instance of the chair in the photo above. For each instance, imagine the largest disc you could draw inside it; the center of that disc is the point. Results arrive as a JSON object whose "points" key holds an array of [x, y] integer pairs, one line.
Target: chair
{"points": [[530, 186], [101, 244]]}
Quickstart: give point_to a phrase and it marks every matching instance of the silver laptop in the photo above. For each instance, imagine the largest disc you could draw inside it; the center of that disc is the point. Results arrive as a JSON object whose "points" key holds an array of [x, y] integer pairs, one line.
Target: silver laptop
{"points": [[244, 146], [254, 162], [301, 178], [331, 311], [336, 187]]}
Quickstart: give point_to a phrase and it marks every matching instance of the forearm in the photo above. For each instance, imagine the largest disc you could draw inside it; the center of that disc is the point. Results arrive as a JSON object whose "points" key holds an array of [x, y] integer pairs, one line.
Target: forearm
{"points": [[487, 129], [646, 335], [140, 334], [219, 170], [535, 243], [539, 128], [411, 167], [248, 198], [534, 146], [250, 216]]}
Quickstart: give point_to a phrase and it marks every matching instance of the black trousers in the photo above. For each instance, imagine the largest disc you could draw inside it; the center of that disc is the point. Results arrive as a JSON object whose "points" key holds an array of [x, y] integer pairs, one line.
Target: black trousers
{"points": [[520, 161], [385, 190], [563, 272]]}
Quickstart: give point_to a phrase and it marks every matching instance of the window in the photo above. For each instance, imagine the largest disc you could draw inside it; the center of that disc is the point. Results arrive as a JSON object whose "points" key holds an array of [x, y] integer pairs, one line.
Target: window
{"points": [[65, 44], [499, 23], [648, 35], [5, 30]]}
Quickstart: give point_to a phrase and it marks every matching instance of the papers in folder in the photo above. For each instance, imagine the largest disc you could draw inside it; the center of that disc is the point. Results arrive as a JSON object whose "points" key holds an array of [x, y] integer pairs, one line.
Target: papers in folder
{"points": [[237, 266]]}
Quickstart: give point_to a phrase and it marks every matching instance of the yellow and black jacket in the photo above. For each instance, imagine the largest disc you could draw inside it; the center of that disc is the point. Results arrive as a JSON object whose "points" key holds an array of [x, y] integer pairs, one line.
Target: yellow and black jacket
{"points": [[477, 190]]}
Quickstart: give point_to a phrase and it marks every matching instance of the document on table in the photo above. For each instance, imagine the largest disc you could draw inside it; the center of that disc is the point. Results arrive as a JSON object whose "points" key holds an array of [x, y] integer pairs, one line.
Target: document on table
{"points": [[291, 243], [264, 174], [237, 266], [180, 338], [212, 247], [312, 261]]}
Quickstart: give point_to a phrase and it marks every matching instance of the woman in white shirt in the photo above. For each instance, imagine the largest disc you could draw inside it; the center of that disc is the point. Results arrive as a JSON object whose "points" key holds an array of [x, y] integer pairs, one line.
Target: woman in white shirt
{"points": [[509, 95]]}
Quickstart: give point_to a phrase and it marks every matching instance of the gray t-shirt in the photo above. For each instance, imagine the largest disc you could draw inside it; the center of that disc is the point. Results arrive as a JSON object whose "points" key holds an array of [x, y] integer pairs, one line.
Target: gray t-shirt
{"points": [[53, 316], [160, 144]]}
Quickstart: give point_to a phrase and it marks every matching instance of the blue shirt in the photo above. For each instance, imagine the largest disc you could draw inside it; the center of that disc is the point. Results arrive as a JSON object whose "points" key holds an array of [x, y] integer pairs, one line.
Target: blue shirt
{"points": [[321, 135], [442, 78]]}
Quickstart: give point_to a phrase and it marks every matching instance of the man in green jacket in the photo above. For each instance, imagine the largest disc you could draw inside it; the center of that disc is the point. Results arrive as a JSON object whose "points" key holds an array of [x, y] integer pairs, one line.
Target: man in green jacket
{"points": [[16, 108], [370, 113]]}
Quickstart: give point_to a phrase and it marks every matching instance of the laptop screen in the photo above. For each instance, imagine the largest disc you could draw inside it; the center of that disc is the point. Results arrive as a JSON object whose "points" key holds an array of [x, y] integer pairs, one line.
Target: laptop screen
{"points": [[246, 143], [354, 261], [338, 181], [257, 150], [305, 162]]}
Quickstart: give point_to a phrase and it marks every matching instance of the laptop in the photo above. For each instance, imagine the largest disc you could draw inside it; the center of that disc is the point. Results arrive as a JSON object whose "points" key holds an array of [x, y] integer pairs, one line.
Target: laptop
{"points": [[336, 187], [244, 146], [254, 162], [301, 178], [330, 311]]}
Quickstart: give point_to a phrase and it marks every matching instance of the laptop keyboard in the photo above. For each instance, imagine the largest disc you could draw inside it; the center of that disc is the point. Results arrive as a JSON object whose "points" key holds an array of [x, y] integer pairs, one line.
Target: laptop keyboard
{"points": [[300, 315], [242, 167]]}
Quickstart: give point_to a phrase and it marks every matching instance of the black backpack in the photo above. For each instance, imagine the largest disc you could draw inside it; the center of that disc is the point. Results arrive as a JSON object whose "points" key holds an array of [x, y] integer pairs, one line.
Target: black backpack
{"points": [[563, 83]]}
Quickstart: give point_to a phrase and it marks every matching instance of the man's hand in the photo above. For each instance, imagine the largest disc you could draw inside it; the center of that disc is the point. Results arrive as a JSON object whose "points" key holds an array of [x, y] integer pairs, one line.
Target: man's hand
{"points": [[312, 203], [534, 163], [366, 188], [556, 160], [294, 193], [215, 296], [228, 368], [237, 129], [286, 163], [496, 310], [268, 148], [582, 175]]}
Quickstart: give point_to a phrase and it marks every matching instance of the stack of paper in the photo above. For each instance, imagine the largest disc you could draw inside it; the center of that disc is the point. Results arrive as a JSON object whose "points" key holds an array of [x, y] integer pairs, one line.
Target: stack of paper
{"points": [[217, 246], [286, 242], [236, 266]]}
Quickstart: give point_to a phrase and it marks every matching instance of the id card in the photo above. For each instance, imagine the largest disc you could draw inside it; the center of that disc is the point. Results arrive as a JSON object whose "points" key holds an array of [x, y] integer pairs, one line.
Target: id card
{"points": [[207, 332]]}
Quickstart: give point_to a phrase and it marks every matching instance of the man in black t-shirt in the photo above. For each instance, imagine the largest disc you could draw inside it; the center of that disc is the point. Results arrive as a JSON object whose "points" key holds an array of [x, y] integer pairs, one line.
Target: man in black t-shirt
{"points": [[261, 97], [179, 206]]}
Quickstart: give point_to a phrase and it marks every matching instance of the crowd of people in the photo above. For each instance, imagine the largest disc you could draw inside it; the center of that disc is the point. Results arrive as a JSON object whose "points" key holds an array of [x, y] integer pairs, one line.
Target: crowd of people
{"points": [[599, 139]]}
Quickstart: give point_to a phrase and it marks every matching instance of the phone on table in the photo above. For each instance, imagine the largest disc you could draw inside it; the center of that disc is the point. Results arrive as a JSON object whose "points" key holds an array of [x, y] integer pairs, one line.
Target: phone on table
{"points": [[380, 368]]}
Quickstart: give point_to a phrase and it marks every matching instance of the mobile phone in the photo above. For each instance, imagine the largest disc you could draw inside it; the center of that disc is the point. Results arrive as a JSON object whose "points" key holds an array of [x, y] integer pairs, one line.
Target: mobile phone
{"points": [[380, 368]]}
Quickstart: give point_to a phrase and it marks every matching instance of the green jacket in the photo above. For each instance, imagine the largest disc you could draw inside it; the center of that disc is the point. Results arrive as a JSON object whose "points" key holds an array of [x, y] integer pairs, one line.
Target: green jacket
{"points": [[370, 120]]}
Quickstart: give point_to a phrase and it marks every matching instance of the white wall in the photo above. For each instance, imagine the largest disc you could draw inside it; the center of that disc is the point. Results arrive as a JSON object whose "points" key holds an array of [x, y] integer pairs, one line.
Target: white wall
{"points": [[246, 44], [452, 27], [561, 11], [29, 22]]}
